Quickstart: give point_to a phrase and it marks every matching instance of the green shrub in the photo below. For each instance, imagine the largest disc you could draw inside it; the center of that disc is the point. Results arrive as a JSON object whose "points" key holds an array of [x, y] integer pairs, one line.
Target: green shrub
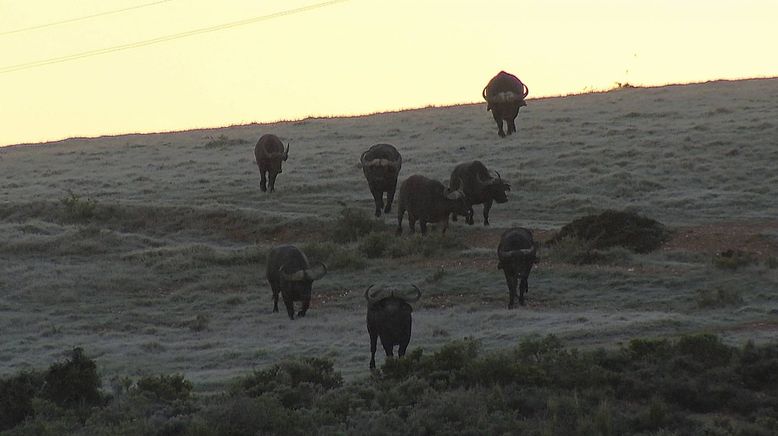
{"points": [[78, 209], [616, 229], [167, 388], [73, 382], [16, 395], [375, 244], [295, 382]]}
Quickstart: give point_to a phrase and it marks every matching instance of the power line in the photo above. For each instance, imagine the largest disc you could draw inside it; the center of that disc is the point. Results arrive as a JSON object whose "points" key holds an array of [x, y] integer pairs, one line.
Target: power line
{"points": [[166, 38], [73, 20]]}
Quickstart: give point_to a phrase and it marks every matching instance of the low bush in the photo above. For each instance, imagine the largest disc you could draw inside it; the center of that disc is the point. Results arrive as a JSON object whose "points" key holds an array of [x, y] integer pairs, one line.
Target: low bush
{"points": [[616, 229]]}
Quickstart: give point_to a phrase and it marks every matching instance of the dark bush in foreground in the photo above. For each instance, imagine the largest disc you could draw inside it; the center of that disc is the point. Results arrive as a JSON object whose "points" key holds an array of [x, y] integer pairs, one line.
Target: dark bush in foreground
{"points": [[616, 229], [692, 385]]}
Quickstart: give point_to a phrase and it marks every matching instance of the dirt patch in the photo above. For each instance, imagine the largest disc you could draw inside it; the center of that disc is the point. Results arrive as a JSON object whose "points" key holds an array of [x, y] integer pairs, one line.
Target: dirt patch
{"points": [[715, 238]]}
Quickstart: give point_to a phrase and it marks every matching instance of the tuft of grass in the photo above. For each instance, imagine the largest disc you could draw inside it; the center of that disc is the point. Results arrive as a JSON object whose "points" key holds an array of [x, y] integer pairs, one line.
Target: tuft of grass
{"points": [[336, 256], [733, 259], [77, 208], [167, 388], [353, 224], [718, 297], [199, 323], [222, 141]]}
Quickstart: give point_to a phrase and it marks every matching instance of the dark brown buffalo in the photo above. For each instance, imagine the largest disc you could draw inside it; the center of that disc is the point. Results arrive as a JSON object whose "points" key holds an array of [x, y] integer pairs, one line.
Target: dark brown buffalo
{"points": [[516, 254], [381, 164], [504, 96], [479, 186], [389, 318], [269, 153], [290, 274], [428, 201]]}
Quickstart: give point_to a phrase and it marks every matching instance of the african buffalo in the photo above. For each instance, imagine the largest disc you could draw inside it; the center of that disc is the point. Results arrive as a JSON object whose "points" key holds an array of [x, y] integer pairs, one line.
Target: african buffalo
{"points": [[516, 254], [504, 96], [269, 153], [381, 164], [290, 274], [479, 187], [389, 317], [428, 201]]}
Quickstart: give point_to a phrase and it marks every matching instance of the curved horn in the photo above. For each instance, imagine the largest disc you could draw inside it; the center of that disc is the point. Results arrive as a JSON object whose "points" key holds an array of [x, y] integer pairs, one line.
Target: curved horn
{"points": [[484, 93], [498, 175], [526, 90], [317, 276], [286, 153], [362, 159], [521, 252], [294, 277], [418, 294], [367, 293]]}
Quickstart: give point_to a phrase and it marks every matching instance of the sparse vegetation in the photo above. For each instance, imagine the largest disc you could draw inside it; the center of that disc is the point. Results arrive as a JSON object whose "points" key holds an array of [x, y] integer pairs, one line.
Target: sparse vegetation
{"points": [[733, 259], [718, 297]]}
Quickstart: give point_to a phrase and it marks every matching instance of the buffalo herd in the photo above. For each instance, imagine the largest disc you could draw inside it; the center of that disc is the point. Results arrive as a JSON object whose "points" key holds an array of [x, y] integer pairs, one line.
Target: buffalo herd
{"points": [[291, 274]]}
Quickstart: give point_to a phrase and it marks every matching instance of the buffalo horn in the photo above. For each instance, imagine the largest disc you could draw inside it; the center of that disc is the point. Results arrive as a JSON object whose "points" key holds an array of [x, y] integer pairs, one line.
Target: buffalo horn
{"points": [[294, 277], [286, 153], [318, 275], [362, 159], [367, 293], [418, 294], [459, 193], [522, 252]]}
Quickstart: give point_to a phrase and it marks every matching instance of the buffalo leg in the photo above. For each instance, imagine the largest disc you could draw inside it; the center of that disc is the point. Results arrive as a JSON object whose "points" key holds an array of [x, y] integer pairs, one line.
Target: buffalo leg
{"points": [[389, 198], [272, 181], [379, 200], [512, 280], [423, 226], [412, 223], [262, 180], [275, 288], [469, 218], [373, 346], [511, 126], [306, 304], [289, 307], [523, 288], [487, 208], [387, 347], [498, 119], [400, 213]]}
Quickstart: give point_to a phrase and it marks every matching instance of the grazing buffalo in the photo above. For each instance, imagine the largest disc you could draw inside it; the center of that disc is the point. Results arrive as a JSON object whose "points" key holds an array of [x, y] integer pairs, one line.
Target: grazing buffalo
{"points": [[504, 96], [269, 153], [290, 274], [479, 187], [381, 164], [389, 318], [428, 201], [516, 254]]}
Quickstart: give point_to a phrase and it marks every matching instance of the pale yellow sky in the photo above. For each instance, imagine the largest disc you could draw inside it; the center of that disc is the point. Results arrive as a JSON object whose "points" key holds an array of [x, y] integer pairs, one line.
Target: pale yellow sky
{"points": [[352, 57]]}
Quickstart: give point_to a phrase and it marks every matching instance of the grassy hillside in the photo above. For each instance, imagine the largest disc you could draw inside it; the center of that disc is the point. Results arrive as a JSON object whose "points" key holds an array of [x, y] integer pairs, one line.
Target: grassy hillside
{"points": [[148, 250]]}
